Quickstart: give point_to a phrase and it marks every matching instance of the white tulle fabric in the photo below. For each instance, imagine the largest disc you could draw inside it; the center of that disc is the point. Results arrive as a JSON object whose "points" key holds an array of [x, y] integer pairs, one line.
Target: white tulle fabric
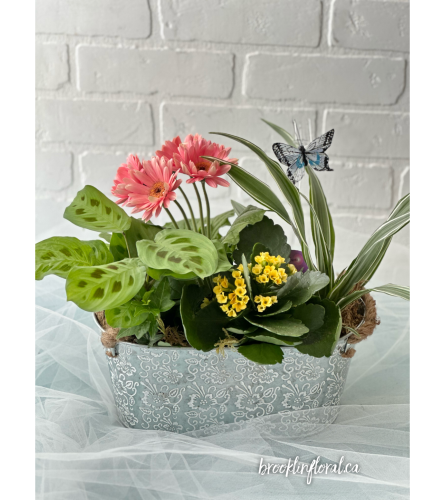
{"points": [[84, 453]]}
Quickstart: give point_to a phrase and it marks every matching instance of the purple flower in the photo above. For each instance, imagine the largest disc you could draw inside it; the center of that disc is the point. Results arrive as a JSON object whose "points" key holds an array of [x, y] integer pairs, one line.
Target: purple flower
{"points": [[296, 258]]}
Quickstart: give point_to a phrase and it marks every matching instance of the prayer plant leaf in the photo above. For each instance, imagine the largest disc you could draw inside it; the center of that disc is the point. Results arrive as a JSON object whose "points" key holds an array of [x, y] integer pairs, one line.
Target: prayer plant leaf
{"points": [[91, 209], [60, 254], [132, 313], [321, 339], [261, 353], [181, 251], [202, 327], [287, 326], [265, 232], [157, 274], [104, 287], [300, 287], [251, 215]]}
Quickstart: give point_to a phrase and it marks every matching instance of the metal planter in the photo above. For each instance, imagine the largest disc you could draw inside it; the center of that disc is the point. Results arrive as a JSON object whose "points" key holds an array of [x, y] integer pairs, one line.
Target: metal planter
{"points": [[180, 389]]}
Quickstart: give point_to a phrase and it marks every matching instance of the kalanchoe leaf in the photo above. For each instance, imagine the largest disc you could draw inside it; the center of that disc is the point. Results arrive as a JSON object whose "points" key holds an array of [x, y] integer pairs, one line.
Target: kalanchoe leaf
{"points": [[202, 327], [107, 286], [93, 210], [250, 215], [262, 335], [132, 313], [261, 353], [282, 325], [266, 232], [181, 251], [321, 340], [300, 287], [60, 254], [278, 308]]}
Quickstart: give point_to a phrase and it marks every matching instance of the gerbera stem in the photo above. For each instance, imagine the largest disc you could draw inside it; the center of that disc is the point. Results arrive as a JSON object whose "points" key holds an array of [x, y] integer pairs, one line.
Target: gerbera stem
{"points": [[209, 231], [184, 215], [200, 207], [172, 218], [190, 208]]}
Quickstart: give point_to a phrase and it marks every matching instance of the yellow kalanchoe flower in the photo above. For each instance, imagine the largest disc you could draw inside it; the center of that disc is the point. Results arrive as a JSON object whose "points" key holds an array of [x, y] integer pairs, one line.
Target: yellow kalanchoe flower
{"points": [[292, 268], [224, 282], [240, 268], [217, 279], [240, 291], [240, 282], [221, 298], [265, 301], [217, 289], [257, 269], [236, 274]]}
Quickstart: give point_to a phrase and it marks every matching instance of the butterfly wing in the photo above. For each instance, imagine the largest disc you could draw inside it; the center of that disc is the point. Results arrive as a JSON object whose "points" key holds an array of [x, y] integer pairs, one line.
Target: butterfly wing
{"points": [[321, 144], [318, 161], [287, 155], [296, 171], [292, 158]]}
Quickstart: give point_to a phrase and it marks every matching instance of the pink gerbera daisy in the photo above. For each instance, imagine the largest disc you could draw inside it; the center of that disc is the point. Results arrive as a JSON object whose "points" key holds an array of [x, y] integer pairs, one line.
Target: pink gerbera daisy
{"points": [[147, 186], [188, 158]]}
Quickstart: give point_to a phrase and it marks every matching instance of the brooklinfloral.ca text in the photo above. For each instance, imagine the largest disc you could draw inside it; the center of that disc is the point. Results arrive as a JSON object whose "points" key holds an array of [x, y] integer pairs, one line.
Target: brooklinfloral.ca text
{"points": [[314, 468]]}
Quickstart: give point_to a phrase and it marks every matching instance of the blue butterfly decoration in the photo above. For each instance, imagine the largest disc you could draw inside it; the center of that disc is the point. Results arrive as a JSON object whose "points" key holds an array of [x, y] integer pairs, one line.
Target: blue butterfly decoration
{"points": [[298, 158]]}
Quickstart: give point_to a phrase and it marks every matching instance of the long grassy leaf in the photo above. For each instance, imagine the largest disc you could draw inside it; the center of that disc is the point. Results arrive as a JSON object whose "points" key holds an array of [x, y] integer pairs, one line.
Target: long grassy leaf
{"points": [[255, 188], [370, 256], [284, 133], [389, 289], [289, 192]]}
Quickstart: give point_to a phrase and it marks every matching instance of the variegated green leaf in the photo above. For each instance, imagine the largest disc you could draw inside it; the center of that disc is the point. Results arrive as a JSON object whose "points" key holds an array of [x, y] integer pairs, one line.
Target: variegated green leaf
{"points": [[180, 250], [395, 290], [370, 256], [93, 210], [59, 254], [289, 191], [104, 287], [281, 131]]}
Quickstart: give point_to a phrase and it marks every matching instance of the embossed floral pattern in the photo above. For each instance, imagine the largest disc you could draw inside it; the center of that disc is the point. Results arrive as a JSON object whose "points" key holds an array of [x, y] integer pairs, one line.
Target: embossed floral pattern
{"points": [[184, 390]]}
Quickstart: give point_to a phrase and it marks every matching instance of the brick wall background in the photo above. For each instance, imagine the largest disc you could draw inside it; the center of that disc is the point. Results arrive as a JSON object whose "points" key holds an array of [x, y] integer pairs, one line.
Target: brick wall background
{"points": [[121, 76]]}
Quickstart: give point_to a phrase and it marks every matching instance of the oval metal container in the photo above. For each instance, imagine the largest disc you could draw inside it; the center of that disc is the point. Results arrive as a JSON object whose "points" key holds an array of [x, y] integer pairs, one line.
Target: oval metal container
{"points": [[180, 389]]}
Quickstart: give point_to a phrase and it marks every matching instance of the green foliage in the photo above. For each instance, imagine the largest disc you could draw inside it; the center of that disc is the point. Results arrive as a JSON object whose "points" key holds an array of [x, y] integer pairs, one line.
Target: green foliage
{"points": [[160, 300], [139, 230], [300, 287], [93, 210], [389, 289], [223, 263], [321, 338], [265, 232], [180, 251], [60, 254], [118, 247], [263, 354], [105, 287], [262, 335], [250, 215], [133, 313], [202, 327], [281, 131], [148, 328], [282, 325], [216, 223]]}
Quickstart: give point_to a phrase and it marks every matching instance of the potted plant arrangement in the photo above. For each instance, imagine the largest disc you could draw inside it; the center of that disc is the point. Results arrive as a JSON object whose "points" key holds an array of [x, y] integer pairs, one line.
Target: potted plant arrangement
{"points": [[202, 329]]}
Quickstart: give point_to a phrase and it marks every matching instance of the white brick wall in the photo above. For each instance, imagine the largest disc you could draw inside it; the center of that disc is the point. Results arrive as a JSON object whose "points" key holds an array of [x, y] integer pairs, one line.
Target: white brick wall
{"points": [[121, 76]]}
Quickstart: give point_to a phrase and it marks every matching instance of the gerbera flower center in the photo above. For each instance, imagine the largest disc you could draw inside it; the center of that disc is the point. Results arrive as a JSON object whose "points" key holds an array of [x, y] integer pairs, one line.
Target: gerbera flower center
{"points": [[203, 165], [157, 189]]}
